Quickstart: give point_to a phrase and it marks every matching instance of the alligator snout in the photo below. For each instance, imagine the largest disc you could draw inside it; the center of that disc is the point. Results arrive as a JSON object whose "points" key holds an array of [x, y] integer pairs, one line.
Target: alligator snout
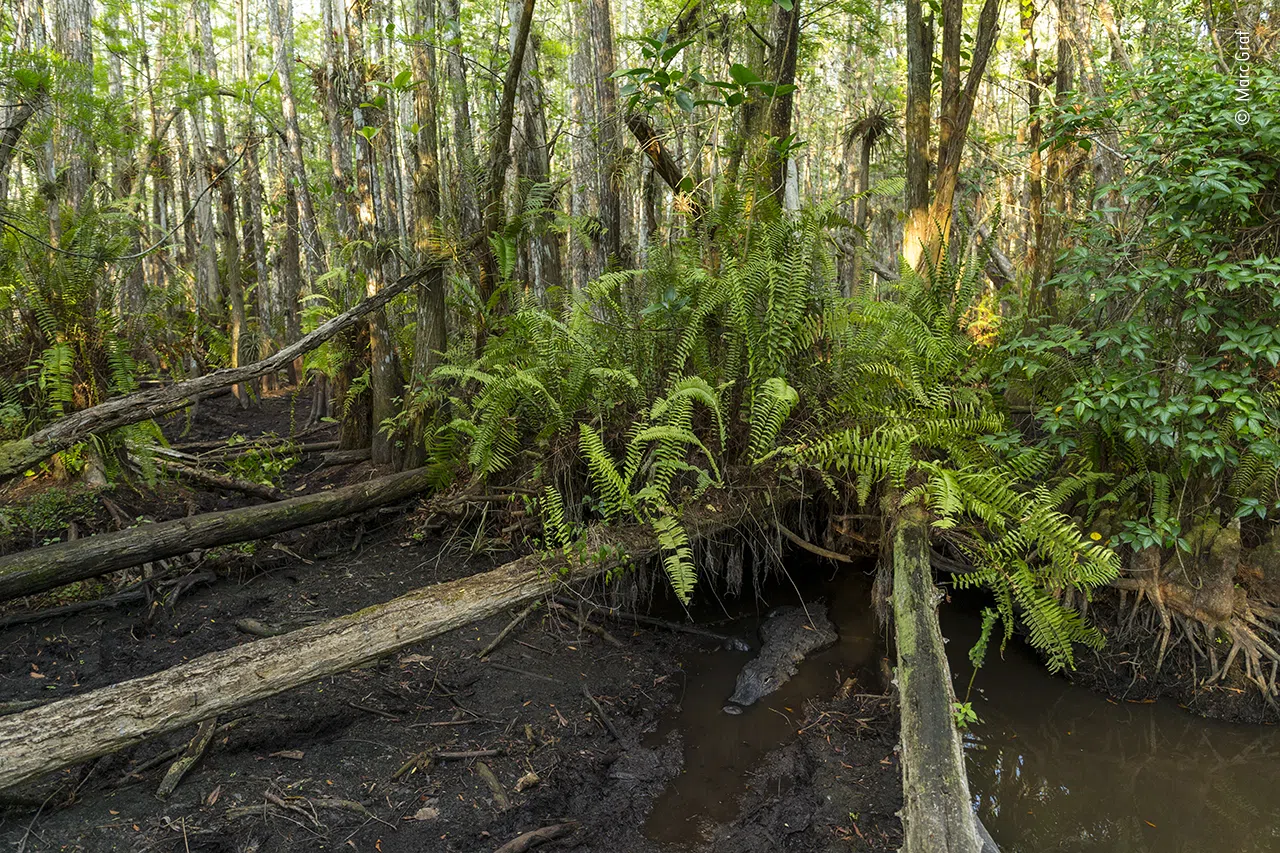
{"points": [[789, 634]]}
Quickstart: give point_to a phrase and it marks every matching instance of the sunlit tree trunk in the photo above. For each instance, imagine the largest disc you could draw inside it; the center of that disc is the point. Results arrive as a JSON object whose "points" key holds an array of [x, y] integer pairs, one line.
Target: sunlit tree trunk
{"points": [[430, 331], [928, 227]]}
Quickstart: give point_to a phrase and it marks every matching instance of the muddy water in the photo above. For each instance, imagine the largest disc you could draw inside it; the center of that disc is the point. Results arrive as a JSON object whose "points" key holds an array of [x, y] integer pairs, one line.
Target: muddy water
{"points": [[1058, 768], [719, 749]]}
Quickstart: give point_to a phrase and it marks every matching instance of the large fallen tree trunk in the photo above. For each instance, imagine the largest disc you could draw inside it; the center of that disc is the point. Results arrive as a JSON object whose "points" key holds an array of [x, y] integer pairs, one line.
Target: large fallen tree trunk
{"points": [[40, 569], [63, 733], [937, 814], [21, 454]]}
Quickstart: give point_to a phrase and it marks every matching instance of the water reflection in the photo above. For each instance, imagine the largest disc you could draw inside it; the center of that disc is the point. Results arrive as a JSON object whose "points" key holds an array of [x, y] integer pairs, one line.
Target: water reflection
{"points": [[1058, 768]]}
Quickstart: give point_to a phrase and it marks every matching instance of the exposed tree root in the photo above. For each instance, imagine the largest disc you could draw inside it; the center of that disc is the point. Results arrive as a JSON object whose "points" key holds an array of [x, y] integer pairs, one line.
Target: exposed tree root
{"points": [[1253, 629]]}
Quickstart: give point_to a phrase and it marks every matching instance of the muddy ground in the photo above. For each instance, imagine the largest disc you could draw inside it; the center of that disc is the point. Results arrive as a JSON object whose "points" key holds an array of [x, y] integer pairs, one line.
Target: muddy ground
{"points": [[331, 766]]}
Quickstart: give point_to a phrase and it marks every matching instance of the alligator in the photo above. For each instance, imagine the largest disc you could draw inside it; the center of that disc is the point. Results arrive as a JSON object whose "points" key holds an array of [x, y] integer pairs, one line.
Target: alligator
{"points": [[788, 634]]}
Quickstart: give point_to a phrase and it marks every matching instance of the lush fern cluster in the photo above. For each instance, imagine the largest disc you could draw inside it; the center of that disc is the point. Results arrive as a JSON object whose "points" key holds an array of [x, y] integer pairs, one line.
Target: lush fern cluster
{"points": [[643, 389], [919, 422]]}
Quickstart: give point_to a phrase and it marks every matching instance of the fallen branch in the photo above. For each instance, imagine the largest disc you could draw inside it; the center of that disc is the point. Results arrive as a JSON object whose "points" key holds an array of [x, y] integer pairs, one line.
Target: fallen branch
{"points": [[604, 718], [810, 547], [652, 621], [71, 730], [218, 481], [529, 840], [134, 592], [588, 625], [21, 454], [502, 635], [40, 569], [346, 457], [193, 753]]}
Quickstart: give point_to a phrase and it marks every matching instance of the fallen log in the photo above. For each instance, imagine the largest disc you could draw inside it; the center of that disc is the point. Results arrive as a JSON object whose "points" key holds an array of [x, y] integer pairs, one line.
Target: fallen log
{"points": [[40, 569], [937, 814], [82, 727], [21, 454], [212, 480]]}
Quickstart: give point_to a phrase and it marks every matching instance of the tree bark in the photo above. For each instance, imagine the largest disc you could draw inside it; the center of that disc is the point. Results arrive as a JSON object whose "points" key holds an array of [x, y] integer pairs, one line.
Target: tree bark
{"points": [[937, 815], [917, 121], [280, 17], [430, 333], [463, 141], [385, 382], [40, 569], [500, 156], [62, 733], [20, 454]]}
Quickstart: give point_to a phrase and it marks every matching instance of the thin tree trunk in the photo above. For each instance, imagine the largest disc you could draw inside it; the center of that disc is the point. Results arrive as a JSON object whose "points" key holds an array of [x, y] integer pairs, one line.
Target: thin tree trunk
{"points": [[280, 16], [430, 333], [786, 44], [609, 147], [463, 142], [385, 382], [584, 203], [500, 157]]}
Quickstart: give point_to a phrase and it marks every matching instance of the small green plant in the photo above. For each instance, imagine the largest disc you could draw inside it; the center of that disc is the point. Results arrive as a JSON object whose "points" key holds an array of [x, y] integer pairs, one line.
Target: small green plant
{"points": [[964, 714]]}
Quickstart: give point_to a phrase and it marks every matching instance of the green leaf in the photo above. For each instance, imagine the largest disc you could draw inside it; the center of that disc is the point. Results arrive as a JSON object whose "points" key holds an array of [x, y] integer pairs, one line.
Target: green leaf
{"points": [[742, 75], [684, 100]]}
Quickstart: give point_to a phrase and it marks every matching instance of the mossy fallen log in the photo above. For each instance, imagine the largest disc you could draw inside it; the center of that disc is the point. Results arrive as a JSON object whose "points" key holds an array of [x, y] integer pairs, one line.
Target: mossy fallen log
{"points": [[41, 569], [21, 454], [937, 814], [83, 727]]}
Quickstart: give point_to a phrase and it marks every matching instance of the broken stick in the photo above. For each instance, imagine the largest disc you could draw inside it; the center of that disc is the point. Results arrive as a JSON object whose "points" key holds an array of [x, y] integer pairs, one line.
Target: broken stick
{"points": [[502, 635]]}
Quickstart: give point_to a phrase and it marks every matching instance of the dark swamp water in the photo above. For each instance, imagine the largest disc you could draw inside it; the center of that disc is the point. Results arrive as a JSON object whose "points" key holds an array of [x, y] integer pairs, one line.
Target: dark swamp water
{"points": [[1052, 766]]}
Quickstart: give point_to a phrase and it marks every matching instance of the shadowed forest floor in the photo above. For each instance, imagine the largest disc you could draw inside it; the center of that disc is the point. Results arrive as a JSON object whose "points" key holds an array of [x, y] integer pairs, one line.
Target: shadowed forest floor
{"points": [[313, 768]]}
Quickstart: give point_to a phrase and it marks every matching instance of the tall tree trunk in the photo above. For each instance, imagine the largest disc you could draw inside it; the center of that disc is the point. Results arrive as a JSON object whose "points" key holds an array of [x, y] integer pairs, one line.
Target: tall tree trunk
{"points": [[782, 68], [500, 157], [929, 230], [280, 17], [430, 333], [385, 383], [1035, 168], [607, 127], [208, 284], [73, 34], [463, 141], [251, 195], [336, 84], [584, 202], [541, 253], [219, 166], [917, 122]]}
